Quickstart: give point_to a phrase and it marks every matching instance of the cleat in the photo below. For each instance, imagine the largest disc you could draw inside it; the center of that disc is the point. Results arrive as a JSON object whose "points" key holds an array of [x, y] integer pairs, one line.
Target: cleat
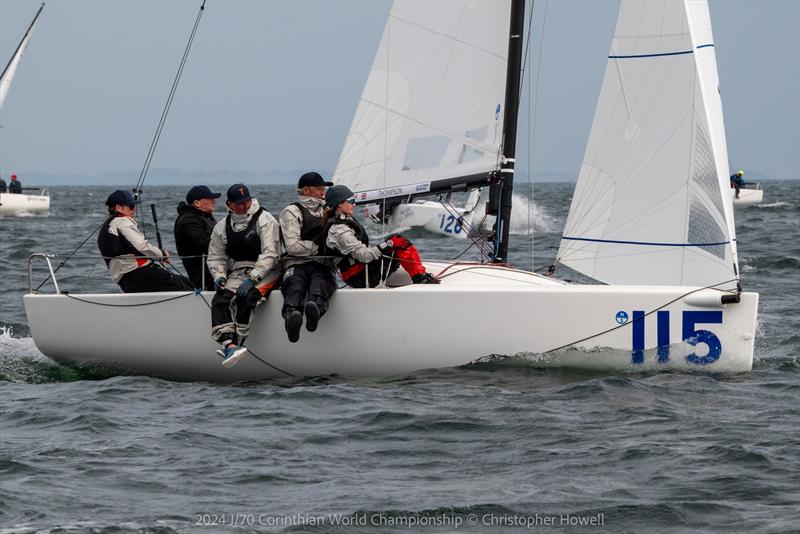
{"points": [[293, 323], [312, 316], [232, 355]]}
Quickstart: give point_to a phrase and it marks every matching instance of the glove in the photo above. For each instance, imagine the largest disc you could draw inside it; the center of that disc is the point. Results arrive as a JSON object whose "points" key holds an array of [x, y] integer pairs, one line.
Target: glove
{"points": [[245, 288], [219, 283], [386, 247], [399, 242]]}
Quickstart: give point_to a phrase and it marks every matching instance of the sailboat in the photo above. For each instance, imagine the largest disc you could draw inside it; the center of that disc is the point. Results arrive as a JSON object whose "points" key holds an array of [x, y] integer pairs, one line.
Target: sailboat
{"points": [[749, 195], [655, 231], [16, 203]]}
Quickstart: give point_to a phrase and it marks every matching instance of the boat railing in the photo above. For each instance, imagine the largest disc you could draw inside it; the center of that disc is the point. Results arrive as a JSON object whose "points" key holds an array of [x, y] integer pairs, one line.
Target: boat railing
{"points": [[46, 258]]}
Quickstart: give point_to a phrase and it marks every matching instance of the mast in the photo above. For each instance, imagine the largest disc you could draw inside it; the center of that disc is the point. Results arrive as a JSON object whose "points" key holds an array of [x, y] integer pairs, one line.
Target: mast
{"points": [[502, 188], [22, 41]]}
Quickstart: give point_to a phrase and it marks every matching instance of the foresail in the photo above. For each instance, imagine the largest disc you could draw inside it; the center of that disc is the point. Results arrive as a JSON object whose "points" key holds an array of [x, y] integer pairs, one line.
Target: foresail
{"points": [[8, 73], [432, 107], [652, 203]]}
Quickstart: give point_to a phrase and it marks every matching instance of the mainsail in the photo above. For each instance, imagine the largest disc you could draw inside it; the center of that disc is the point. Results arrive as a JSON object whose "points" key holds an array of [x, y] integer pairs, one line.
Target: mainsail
{"points": [[652, 203], [11, 68], [431, 114]]}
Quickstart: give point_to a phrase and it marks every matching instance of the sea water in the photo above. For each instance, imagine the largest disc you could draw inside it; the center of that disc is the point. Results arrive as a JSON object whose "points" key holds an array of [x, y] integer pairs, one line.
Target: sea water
{"points": [[492, 447]]}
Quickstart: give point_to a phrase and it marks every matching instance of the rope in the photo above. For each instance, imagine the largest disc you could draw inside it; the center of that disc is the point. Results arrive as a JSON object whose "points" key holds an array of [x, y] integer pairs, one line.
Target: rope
{"points": [[60, 265]]}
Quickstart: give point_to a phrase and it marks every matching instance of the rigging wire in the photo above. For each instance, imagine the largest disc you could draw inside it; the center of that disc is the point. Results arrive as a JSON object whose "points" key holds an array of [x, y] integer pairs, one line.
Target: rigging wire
{"points": [[154, 143]]}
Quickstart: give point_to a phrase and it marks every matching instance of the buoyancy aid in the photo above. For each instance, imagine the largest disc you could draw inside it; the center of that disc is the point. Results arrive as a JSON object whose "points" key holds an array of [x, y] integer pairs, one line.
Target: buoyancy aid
{"points": [[361, 233], [112, 246], [244, 245]]}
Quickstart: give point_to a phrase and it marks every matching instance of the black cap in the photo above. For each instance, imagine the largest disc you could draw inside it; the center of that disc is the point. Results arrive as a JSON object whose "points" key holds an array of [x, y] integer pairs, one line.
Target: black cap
{"points": [[200, 192], [122, 198], [238, 193], [336, 195], [311, 179]]}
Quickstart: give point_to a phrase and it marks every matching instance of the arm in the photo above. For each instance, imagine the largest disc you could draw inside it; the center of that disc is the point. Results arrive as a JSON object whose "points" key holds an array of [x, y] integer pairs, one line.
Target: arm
{"points": [[343, 238], [269, 232], [217, 260], [291, 224], [128, 229]]}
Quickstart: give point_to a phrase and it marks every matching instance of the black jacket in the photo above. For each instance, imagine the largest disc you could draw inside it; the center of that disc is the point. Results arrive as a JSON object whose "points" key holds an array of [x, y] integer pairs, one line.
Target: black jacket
{"points": [[192, 234], [15, 186], [3, 187]]}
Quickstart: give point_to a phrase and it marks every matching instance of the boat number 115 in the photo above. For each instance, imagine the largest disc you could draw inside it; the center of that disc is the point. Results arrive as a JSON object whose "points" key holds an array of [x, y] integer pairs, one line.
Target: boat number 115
{"points": [[691, 335]]}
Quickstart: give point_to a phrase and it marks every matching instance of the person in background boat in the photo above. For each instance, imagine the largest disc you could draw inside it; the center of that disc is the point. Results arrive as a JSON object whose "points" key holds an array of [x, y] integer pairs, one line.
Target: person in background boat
{"points": [[244, 260], [737, 181], [363, 265], [128, 255], [3, 186], [15, 186], [192, 230], [307, 282]]}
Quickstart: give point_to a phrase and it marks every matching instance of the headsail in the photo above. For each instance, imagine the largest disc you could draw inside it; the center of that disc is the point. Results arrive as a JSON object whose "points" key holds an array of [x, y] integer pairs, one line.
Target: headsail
{"points": [[652, 202], [431, 113], [11, 67]]}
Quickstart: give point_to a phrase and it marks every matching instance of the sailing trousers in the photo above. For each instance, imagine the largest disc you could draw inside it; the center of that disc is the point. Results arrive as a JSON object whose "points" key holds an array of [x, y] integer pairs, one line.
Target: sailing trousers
{"points": [[371, 274], [312, 281], [152, 277], [231, 316]]}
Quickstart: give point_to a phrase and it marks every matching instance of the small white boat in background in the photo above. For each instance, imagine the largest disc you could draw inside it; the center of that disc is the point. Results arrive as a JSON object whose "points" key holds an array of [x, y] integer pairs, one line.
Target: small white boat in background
{"points": [[22, 204], [749, 195]]}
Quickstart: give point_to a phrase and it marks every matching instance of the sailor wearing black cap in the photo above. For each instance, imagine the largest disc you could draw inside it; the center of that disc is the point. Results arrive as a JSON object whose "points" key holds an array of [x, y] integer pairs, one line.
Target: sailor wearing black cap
{"points": [[244, 260], [129, 256], [193, 229], [307, 282]]}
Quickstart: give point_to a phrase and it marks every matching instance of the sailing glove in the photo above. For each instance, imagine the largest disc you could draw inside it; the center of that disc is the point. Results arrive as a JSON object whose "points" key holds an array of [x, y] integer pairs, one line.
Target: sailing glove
{"points": [[399, 242], [219, 283], [386, 247], [245, 288]]}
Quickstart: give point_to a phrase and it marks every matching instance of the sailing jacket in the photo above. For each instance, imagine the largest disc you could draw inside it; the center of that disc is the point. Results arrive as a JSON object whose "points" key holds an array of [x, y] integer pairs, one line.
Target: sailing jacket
{"points": [[301, 229], [193, 229], [3, 187], [15, 187], [124, 247], [346, 235], [265, 268]]}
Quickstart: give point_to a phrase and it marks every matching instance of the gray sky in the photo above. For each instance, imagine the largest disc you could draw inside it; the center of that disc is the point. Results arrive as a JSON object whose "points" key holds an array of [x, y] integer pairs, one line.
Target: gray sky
{"points": [[272, 85]]}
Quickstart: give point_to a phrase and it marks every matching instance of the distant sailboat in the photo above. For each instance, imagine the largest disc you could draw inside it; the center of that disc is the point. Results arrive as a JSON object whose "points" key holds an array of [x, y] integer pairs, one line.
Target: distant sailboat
{"points": [[439, 114], [13, 203]]}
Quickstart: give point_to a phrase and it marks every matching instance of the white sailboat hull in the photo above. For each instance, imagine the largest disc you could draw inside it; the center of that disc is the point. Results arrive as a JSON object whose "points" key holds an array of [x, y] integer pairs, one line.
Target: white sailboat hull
{"points": [[433, 217], [16, 204], [747, 197], [477, 312]]}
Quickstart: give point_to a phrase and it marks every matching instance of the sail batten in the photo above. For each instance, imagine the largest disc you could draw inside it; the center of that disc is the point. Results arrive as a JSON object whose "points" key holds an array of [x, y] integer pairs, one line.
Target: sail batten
{"points": [[652, 202]]}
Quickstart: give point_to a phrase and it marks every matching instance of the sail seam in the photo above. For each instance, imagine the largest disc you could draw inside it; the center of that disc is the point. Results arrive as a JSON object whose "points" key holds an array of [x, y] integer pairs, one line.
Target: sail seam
{"points": [[644, 243], [636, 56], [449, 37]]}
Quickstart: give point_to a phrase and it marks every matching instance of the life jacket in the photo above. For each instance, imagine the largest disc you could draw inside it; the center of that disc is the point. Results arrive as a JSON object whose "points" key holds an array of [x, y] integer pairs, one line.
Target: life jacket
{"points": [[361, 233], [112, 246], [313, 228], [244, 245]]}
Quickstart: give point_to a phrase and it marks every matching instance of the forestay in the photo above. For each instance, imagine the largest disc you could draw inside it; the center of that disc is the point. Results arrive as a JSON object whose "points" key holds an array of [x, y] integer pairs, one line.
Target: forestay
{"points": [[432, 106], [652, 202]]}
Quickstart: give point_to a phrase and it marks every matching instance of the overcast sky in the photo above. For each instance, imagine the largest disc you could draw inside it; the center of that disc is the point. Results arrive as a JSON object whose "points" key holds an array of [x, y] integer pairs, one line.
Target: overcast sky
{"points": [[272, 85]]}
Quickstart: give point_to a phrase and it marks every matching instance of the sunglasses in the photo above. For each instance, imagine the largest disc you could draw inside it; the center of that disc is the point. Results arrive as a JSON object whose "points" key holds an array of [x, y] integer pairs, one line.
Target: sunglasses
{"points": [[351, 201]]}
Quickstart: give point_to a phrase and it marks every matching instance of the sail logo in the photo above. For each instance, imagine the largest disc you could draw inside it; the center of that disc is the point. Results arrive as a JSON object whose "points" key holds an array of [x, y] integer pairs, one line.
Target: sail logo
{"points": [[622, 317], [690, 335]]}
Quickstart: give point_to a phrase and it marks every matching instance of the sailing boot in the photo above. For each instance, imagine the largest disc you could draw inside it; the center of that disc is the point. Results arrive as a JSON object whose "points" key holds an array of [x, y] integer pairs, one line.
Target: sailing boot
{"points": [[231, 355], [424, 278], [312, 315], [293, 323]]}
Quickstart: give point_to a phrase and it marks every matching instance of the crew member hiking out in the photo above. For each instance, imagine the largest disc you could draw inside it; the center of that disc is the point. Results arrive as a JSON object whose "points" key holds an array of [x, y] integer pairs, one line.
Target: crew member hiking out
{"points": [[307, 282], [737, 181], [362, 265], [244, 260], [193, 229], [128, 255]]}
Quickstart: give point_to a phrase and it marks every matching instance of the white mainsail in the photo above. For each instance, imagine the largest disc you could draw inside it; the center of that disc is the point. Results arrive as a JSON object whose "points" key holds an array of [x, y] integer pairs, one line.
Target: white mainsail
{"points": [[432, 106], [8, 73], [652, 202]]}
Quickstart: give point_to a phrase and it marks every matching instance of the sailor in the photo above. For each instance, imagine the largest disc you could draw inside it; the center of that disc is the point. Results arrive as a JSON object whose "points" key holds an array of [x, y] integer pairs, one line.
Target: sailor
{"points": [[307, 281], [737, 181], [129, 257], [244, 260], [193, 229], [15, 186], [3, 187], [363, 265]]}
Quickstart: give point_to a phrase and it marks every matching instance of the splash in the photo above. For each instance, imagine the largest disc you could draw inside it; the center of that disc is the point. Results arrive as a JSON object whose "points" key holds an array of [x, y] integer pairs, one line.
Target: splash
{"points": [[542, 221], [21, 361]]}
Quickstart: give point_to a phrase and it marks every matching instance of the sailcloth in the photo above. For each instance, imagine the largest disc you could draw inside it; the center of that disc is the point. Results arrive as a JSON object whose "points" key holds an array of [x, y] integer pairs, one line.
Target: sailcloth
{"points": [[432, 106], [11, 69], [652, 203]]}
